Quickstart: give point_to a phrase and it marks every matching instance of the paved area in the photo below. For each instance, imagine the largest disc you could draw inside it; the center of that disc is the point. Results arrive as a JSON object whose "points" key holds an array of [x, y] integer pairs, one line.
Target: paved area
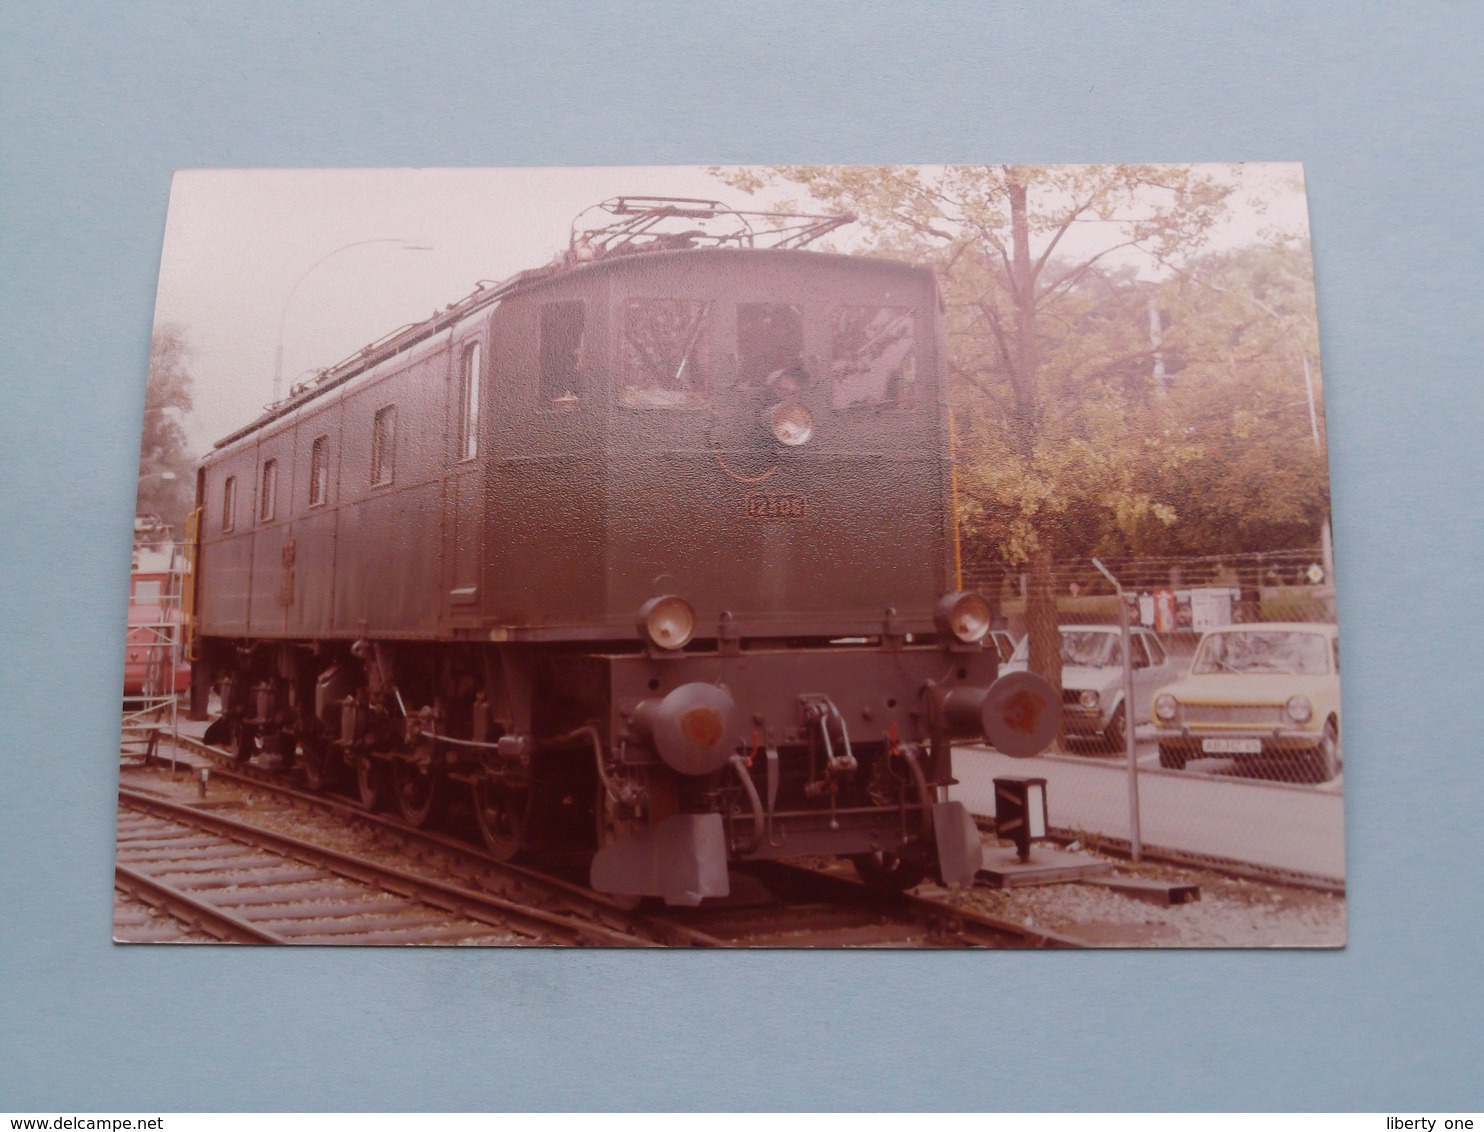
{"points": [[1273, 824]]}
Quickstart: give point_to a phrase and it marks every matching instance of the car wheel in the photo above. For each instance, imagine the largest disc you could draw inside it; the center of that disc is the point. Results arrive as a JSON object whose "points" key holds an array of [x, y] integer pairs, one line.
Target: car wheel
{"points": [[1113, 734], [1171, 757], [1324, 760]]}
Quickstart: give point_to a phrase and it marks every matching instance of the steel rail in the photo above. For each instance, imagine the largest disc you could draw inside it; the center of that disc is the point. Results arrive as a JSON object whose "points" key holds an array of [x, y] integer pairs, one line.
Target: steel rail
{"points": [[944, 922], [480, 907], [951, 925], [471, 862], [190, 910]]}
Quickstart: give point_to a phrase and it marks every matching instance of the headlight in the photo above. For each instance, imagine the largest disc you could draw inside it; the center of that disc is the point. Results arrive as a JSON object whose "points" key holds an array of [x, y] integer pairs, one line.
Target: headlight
{"points": [[667, 622], [1165, 707], [1299, 709], [965, 615], [1088, 699], [790, 423]]}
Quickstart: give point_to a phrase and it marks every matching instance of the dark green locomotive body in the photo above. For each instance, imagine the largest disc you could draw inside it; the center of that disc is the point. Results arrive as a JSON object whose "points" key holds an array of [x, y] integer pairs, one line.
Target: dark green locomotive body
{"points": [[588, 488], [432, 568]]}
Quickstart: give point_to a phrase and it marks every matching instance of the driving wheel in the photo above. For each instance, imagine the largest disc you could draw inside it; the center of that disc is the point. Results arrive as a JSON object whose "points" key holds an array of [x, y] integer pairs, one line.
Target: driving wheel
{"points": [[245, 743], [321, 766], [504, 814], [417, 787], [371, 784]]}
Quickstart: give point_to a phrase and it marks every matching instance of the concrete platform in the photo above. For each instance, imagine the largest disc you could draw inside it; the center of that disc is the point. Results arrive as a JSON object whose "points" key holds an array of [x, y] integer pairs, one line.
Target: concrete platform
{"points": [[1003, 868]]}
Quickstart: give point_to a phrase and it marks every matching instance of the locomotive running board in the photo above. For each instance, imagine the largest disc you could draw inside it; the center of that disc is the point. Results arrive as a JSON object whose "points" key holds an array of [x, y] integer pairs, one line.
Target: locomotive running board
{"points": [[683, 859], [960, 848]]}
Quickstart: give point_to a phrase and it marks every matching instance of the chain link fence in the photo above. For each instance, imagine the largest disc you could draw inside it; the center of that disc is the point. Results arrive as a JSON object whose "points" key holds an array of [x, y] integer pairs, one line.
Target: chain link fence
{"points": [[1238, 755]]}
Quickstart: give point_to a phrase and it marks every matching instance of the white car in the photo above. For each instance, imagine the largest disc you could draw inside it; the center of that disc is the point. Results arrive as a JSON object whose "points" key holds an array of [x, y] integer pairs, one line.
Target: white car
{"points": [[1092, 678]]}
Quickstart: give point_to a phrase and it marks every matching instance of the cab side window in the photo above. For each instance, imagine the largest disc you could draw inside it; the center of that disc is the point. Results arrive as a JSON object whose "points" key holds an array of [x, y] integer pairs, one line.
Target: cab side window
{"points": [[229, 503], [469, 402], [268, 492], [383, 445], [319, 471]]}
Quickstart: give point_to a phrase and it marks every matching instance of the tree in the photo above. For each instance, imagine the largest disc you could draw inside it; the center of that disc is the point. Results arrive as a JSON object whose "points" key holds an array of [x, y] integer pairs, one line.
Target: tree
{"points": [[1250, 402], [1028, 258], [167, 481]]}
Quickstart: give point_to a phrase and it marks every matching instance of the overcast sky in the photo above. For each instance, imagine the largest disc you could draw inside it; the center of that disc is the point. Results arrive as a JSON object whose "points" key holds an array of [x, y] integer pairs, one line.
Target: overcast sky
{"points": [[338, 257]]}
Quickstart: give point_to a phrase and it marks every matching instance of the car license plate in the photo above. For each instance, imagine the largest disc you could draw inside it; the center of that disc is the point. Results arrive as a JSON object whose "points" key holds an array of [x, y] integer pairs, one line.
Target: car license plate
{"points": [[1231, 746]]}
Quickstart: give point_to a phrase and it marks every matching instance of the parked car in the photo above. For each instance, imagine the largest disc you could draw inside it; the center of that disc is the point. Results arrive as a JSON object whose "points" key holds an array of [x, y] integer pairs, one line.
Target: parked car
{"points": [[1257, 691], [1092, 678]]}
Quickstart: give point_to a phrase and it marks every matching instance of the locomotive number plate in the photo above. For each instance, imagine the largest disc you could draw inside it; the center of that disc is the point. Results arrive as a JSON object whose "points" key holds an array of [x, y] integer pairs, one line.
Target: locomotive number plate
{"points": [[776, 506]]}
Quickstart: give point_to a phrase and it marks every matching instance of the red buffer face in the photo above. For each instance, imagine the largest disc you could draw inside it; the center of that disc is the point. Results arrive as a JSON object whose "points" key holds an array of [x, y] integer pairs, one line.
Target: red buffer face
{"points": [[1021, 714]]}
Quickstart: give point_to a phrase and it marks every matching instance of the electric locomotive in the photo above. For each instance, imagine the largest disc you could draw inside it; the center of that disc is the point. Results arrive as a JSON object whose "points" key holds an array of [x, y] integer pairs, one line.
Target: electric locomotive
{"points": [[651, 550]]}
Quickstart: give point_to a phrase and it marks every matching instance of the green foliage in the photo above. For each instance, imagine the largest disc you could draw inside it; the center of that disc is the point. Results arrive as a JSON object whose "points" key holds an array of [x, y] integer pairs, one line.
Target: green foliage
{"points": [[167, 480], [1067, 441]]}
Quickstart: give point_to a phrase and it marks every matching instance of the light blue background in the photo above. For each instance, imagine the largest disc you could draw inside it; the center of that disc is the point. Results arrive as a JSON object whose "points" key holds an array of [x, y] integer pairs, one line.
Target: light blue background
{"points": [[1382, 102]]}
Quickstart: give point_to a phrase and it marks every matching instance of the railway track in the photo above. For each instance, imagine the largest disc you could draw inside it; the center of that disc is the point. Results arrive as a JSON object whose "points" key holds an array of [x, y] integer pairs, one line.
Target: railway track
{"points": [[776, 905], [241, 883]]}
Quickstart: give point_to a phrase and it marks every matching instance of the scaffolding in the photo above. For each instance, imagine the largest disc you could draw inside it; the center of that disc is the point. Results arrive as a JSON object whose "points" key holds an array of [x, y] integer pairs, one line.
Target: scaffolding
{"points": [[155, 645]]}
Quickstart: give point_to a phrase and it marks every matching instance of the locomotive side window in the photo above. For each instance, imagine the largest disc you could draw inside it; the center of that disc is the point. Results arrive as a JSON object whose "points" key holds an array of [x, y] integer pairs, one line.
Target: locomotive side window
{"points": [[872, 359], [665, 356], [770, 337], [229, 503], [383, 445], [469, 403], [268, 496], [319, 471], [561, 349]]}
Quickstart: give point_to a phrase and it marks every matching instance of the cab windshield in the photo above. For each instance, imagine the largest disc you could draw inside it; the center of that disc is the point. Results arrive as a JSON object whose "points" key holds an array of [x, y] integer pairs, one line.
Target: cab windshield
{"points": [[681, 353], [1297, 654]]}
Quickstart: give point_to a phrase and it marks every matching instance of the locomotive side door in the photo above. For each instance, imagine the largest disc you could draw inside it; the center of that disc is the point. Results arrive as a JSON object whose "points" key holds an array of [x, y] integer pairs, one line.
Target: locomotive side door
{"points": [[467, 454]]}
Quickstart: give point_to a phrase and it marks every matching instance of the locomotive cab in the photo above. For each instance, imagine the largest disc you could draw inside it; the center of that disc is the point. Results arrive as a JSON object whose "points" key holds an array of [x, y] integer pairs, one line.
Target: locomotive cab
{"points": [[653, 549]]}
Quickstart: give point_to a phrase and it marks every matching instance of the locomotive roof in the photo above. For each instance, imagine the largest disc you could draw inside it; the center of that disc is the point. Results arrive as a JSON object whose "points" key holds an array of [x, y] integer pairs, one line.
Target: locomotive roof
{"points": [[405, 338]]}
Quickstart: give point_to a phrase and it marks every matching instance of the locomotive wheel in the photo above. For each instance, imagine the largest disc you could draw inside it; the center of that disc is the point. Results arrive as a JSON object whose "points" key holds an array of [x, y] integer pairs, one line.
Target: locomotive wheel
{"points": [[504, 816], [417, 787], [887, 872], [371, 782], [321, 766], [244, 743]]}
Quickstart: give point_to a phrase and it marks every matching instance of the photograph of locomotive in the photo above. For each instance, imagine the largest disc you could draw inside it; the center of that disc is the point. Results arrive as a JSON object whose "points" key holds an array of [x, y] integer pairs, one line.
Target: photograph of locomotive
{"points": [[715, 537], [652, 547]]}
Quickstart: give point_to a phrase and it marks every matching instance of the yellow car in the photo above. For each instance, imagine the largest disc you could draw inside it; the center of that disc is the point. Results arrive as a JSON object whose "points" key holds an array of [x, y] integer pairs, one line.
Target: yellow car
{"points": [[1269, 690]]}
